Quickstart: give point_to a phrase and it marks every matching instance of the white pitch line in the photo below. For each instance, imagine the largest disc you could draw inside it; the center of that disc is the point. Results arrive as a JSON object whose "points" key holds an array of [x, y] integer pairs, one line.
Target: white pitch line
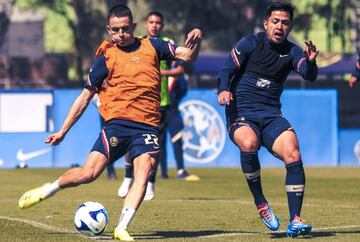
{"points": [[71, 232], [356, 206], [53, 229], [336, 227], [251, 203]]}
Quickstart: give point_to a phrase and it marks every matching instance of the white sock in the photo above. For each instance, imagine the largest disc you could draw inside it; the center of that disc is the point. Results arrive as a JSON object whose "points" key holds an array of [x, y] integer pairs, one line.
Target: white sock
{"points": [[180, 171], [127, 214], [128, 180], [51, 188]]}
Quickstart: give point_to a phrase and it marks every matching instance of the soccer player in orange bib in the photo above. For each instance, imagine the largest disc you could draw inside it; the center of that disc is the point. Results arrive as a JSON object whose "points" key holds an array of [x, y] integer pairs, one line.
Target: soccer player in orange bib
{"points": [[126, 76]]}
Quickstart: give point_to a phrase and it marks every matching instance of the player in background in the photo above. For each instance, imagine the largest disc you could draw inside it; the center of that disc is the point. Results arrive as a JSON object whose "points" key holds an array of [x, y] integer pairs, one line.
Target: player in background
{"points": [[355, 76], [174, 125], [126, 76], [154, 24], [250, 85]]}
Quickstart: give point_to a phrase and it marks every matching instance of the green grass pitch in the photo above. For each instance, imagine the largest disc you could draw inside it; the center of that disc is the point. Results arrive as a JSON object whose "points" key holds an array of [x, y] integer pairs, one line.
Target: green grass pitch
{"points": [[217, 208]]}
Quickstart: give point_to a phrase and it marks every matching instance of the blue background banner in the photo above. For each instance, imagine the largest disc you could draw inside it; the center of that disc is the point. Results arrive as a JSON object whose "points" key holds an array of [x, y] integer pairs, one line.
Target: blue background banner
{"points": [[349, 148], [313, 114]]}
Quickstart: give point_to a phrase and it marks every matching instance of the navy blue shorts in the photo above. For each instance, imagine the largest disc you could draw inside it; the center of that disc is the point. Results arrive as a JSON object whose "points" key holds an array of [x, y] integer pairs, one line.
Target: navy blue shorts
{"points": [[266, 129], [121, 136]]}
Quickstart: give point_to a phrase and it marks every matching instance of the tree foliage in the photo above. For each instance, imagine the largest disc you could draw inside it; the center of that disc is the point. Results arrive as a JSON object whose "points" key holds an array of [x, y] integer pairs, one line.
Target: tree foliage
{"points": [[335, 15], [223, 22], [5, 12], [86, 20]]}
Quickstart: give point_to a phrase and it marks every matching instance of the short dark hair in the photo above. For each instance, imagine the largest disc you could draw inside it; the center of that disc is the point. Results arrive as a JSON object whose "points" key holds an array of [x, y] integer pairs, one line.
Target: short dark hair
{"points": [[120, 11], [281, 5], [156, 13]]}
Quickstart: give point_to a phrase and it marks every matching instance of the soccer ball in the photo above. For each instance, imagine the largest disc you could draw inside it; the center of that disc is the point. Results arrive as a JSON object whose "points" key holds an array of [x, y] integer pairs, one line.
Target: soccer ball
{"points": [[91, 218]]}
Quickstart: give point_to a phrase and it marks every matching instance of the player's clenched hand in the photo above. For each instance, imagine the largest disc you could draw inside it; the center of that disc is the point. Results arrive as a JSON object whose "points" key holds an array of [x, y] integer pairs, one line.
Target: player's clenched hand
{"points": [[310, 51], [193, 38], [54, 139], [353, 80], [225, 97]]}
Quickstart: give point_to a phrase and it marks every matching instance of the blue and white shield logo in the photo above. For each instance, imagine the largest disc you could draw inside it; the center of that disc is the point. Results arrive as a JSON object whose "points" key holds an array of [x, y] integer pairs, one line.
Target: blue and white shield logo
{"points": [[204, 132]]}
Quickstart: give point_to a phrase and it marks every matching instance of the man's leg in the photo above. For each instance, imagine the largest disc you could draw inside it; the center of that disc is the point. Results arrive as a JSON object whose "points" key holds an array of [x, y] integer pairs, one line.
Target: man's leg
{"points": [[143, 165], [247, 140], [128, 179], [111, 172], [181, 173], [286, 147], [160, 159], [175, 127], [95, 164], [163, 154]]}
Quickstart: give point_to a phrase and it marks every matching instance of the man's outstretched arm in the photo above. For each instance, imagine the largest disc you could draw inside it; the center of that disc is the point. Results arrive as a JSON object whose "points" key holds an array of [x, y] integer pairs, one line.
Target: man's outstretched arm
{"points": [[305, 62], [75, 112]]}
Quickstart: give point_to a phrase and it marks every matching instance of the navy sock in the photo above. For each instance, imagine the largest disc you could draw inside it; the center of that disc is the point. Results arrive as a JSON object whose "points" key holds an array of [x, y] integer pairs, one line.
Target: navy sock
{"points": [[178, 153], [294, 185], [152, 176], [251, 168], [129, 170]]}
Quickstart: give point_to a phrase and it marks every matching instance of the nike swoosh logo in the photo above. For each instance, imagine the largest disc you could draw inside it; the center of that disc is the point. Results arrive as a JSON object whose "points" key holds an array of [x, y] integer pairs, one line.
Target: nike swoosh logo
{"points": [[21, 156], [283, 55], [237, 52]]}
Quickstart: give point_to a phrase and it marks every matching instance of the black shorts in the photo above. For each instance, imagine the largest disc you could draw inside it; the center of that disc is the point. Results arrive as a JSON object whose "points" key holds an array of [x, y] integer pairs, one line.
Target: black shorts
{"points": [[266, 129]]}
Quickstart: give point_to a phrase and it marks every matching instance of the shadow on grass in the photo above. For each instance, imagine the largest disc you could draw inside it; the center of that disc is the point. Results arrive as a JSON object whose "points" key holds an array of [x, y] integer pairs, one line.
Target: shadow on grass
{"points": [[315, 234], [191, 234], [220, 233]]}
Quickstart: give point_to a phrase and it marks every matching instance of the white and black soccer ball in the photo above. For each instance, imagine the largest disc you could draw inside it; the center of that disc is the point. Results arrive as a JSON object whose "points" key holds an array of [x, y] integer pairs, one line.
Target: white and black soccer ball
{"points": [[91, 218]]}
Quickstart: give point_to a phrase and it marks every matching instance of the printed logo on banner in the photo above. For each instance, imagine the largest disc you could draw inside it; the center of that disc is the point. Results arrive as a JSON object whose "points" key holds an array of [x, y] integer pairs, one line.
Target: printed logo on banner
{"points": [[204, 132], [21, 156]]}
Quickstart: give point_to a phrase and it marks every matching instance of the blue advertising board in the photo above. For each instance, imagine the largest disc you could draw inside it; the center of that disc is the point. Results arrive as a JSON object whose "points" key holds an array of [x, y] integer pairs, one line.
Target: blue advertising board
{"points": [[313, 114], [74, 149], [349, 147]]}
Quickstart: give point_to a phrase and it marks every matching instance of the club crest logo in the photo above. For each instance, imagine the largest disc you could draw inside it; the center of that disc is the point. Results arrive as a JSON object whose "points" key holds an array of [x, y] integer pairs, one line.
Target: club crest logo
{"points": [[204, 132], [135, 59], [113, 141]]}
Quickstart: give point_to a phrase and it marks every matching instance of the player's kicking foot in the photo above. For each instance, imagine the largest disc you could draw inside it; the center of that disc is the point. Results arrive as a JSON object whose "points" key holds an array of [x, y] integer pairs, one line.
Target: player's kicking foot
{"points": [[268, 217], [122, 234], [150, 191], [125, 187], [298, 227], [32, 197]]}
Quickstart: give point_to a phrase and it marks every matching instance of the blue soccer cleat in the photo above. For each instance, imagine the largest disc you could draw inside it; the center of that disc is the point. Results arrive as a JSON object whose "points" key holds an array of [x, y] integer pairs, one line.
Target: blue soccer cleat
{"points": [[298, 227], [268, 217]]}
